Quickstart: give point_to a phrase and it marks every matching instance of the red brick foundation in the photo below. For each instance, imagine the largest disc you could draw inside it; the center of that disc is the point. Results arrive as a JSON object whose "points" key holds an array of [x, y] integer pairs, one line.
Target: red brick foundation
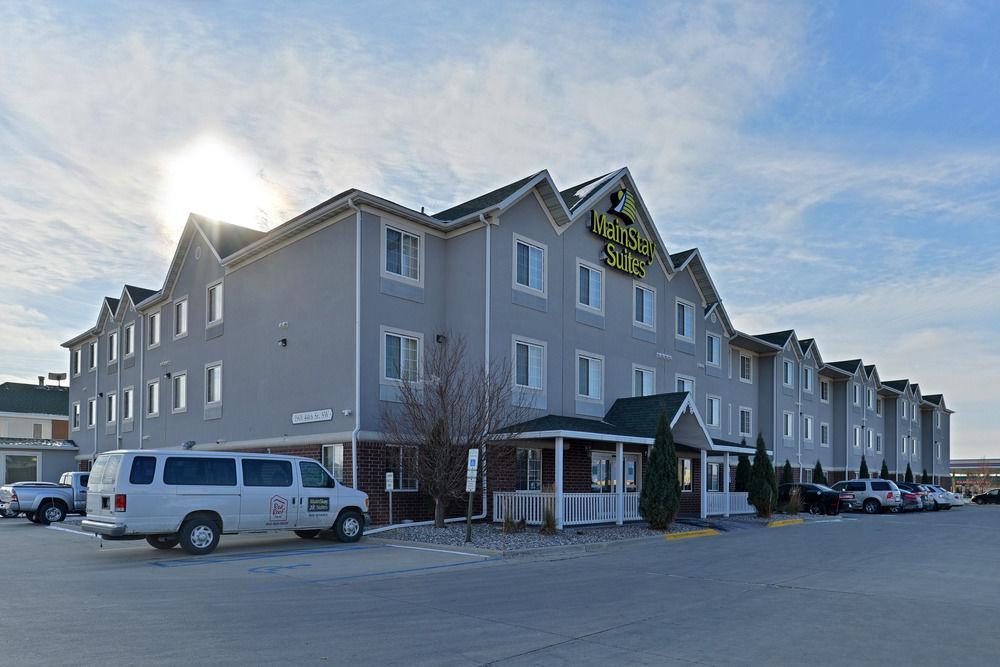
{"points": [[83, 466]]}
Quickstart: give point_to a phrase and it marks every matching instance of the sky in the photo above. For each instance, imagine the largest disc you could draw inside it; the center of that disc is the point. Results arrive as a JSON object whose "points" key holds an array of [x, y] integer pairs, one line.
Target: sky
{"points": [[838, 164]]}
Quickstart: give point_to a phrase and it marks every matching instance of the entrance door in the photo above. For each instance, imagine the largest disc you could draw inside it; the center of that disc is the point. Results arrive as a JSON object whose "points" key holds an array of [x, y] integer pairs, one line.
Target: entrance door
{"points": [[602, 472]]}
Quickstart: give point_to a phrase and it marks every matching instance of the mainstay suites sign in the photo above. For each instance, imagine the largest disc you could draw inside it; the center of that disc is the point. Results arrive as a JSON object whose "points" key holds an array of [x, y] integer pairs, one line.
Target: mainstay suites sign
{"points": [[626, 249]]}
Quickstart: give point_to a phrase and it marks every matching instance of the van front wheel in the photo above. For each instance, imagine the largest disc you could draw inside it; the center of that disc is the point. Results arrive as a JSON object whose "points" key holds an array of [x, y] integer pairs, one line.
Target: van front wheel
{"points": [[349, 527], [199, 536], [164, 542]]}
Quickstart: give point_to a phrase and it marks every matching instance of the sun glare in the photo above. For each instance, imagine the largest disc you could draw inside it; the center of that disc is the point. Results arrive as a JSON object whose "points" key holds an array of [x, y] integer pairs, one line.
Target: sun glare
{"points": [[215, 179]]}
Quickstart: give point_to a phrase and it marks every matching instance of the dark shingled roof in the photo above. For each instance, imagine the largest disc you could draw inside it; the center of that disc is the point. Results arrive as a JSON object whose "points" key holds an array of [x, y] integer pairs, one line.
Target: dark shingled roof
{"points": [[805, 343], [112, 303], [778, 338], [678, 258], [139, 294], [33, 399], [560, 423], [483, 201], [850, 366], [897, 385], [227, 238], [36, 443], [933, 398], [869, 368], [635, 417], [729, 443], [569, 194]]}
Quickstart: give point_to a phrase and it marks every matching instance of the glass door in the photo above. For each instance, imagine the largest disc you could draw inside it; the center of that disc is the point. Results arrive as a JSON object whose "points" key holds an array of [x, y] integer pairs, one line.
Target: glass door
{"points": [[602, 472]]}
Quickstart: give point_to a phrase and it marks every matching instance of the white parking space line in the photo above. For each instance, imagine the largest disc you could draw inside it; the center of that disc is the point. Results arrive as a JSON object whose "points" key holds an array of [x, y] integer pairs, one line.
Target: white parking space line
{"points": [[70, 530], [440, 551]]}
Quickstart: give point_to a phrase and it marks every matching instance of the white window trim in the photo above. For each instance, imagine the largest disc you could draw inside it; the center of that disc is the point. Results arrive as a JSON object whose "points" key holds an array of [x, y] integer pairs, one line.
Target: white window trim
{"points": [[749, 411], [879, 406], [694, 320], [829, 388], [107, 399], [131, 391], [145, 399], [647, 369], [857, 437], [514, 340], [937, 447], [77, 360], [92, 400], [113, 348], [690, 464], [158, 314], [212, 364], [125, 336], [173, 389], [807, 372], [785, 381], [400, 226], [187, 317], [807, 433], [576, 386], [92, 360], [878, 443], [682, 376], [718, 359], [590, 266], [787, 424], [635, 320], [222, 303], [541, 469], [76, 411], [545, 266], [383, 332], [870, 398], [718, 415], [750, 366], [823, 425], [856, 394], [416, 478], [937, 421], [869, 439]]}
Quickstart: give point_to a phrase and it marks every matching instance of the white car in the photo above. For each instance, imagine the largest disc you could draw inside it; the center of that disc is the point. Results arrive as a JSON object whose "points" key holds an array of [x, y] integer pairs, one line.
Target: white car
{"points": [[956, 499], [941, 499], [172, 497]]}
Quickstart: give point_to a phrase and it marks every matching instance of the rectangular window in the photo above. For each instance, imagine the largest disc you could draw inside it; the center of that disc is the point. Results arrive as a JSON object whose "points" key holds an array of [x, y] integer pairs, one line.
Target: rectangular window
{"points": [[36, 431], [213, 304], [913, 412], [112, 347], [645, 307], [643, 381], [684, 474], [213, 384], [333, 460], [857, 436], [402, 253], [713, 411], [857, 393], [869, 398], [807, 379], [92, 355], [589, 376], [529, 360], [684, 383], [143, 470], [180, 318], [807, 428], [869, 439], [153, 398], [402, 463], [789, 373], [529, 266], [74, 363], [128, 343], [76, 416], [937, 420], [127, 395], [179, 400], [91, 412], [878, 443], [824, 434], [878, 406], [529, 469], [266, 472], [153, 329], [746, 368], [590, 287], [112, 409], [197, 471], [787, 424], [746, 421], [685, 320], [915, 446], [902, 406], [824, 391], [937, 447], [714, 481], [902, 445], [713, 350], [401, 357]]}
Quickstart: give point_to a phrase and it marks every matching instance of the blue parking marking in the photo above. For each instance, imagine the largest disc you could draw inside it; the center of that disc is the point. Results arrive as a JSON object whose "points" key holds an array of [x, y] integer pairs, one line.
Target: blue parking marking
{"points": [[274, 569], [258, 555], [369, 575]]}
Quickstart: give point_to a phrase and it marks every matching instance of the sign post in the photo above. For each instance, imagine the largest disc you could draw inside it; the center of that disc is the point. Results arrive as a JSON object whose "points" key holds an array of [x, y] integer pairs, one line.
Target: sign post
{"points": [[388, 489], [471, 471]]}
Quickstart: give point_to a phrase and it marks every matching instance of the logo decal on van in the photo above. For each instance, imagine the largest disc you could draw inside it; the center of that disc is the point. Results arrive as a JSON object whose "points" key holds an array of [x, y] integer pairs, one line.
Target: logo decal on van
{"points": [[319, 504], [279, 510]]}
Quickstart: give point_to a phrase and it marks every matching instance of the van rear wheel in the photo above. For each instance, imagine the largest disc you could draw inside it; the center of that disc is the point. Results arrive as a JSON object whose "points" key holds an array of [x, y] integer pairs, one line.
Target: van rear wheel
{"points": [[307, 534], [349, 526], [199, 535], [164, 542]]}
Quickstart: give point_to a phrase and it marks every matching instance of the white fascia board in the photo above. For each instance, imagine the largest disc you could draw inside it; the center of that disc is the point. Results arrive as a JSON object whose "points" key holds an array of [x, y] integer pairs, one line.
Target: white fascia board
{"points": [[583, 435]]}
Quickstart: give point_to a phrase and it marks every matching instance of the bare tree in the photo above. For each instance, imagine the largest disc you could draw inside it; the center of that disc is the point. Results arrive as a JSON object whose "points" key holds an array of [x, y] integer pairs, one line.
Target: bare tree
{"points": [[454, 406], [981, 478]]}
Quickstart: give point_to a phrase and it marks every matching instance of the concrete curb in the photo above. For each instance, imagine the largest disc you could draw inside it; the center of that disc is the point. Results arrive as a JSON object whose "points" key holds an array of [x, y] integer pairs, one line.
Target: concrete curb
{"points": [[705, 532], [472, 551], [785, 522]]}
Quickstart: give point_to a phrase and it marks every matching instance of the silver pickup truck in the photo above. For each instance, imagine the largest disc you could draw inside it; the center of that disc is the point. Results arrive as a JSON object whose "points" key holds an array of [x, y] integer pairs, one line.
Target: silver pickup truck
{"points": [[45, 502]]}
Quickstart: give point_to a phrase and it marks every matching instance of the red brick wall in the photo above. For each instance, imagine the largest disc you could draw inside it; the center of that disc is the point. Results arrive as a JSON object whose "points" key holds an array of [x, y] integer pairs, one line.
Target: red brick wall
{"points": [[691, 500], [83, 466]]}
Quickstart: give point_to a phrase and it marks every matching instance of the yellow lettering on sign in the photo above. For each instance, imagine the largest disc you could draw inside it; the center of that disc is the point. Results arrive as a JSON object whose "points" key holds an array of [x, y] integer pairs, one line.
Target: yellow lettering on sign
{"points": [[626, 249]]}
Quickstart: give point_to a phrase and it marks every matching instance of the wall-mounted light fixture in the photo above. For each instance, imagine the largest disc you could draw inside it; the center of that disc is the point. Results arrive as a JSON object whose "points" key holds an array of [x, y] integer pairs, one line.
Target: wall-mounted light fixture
{"points": [[441, 339], [282, 342]]}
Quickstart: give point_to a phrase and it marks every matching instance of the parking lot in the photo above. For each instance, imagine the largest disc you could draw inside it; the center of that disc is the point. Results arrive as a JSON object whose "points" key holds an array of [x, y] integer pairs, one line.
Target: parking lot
{"points": [[920, 589]]}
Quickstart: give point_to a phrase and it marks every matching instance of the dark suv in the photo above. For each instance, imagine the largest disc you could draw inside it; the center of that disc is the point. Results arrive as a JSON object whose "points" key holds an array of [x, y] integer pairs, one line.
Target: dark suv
{"points": [[991, 497], [816, 498]]}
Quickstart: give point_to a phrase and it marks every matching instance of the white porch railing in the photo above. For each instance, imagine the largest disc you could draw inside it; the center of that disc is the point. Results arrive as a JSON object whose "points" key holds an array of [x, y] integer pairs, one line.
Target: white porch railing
{"points": [[578, 508], [715, 503]]}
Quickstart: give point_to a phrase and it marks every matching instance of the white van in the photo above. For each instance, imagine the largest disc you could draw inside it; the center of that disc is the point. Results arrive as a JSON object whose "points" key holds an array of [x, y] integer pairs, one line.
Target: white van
{"points": [[172, 497]]}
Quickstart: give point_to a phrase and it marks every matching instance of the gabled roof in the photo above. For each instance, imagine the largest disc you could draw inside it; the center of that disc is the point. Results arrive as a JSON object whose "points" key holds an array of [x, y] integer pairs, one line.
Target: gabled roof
{"points": [[779, 338], [933, 398], [112, 304], [678, 258], [639, 415], [24, 398], [224, 237], [747, 342], [482, 202], [850, 366], [805, 344], [896, 386], [138, 294], [577, 194], [871, 373]]}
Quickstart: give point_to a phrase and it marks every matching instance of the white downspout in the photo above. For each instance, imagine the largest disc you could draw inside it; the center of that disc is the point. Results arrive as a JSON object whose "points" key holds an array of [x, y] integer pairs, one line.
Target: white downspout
{"points": [[798, 409], [142, 378], [357, 341], [118, 390], [97, 394]]}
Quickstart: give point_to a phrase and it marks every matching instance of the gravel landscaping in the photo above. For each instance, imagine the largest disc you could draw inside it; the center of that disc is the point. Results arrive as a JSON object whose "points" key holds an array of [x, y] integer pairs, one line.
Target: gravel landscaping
{"points": [[490, 536]]}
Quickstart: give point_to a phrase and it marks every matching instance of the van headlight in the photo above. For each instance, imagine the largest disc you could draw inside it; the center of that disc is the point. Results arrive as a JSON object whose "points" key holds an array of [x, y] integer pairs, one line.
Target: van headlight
{"points": [[366, 502]]}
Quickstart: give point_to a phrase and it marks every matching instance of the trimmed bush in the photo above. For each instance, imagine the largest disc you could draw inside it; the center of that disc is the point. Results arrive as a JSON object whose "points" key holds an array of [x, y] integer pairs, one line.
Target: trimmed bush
{"points": [[762, 491], [819, 477], [742, 480], [660, 498], [863, 470], [925, 478], [786, 473], [908, 477], [884, 474]]}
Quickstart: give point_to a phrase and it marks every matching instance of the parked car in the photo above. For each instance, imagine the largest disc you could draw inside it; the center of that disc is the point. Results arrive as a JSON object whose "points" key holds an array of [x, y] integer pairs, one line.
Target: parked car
{"points": [[912, 502], [871, 495], [815, 498], [956, 499], [171, 497], [923, 493], [46, 502], [940, 499], [991, 497]]}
